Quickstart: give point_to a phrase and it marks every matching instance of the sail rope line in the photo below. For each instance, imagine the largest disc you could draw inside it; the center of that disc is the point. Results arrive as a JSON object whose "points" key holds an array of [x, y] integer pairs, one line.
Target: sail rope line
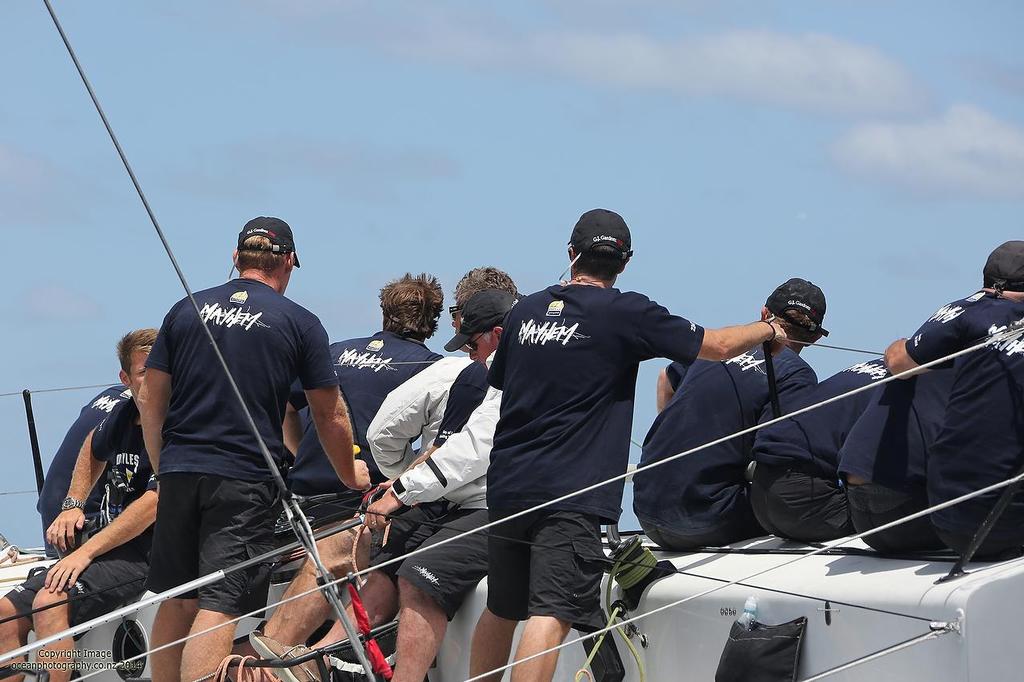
{"points": [[292, 510], [998, 337]]}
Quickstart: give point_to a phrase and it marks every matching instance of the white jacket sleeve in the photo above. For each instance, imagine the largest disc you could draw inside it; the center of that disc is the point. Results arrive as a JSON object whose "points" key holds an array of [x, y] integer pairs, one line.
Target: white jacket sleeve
{"points": [[461, 461], [411, 411]]}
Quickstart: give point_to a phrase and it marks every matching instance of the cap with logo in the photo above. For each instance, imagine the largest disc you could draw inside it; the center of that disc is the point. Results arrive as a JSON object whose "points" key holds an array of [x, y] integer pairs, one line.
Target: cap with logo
{"points": [[274, 229], [1004, 269], [802, 296], [601, 227], [482, 312]]}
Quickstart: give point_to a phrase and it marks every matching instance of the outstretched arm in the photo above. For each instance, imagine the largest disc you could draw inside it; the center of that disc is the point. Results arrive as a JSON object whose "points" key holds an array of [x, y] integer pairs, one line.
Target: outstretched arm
{"points": [[728, 342]]}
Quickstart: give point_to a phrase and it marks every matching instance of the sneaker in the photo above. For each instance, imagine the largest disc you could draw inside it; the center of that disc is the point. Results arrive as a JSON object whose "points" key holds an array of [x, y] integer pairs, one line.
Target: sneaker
{"points": [[268, 647]]}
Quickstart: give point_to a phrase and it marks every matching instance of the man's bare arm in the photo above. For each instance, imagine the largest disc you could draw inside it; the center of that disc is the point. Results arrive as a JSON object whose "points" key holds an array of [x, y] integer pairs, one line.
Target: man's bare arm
{"points": [[330, 417], [664, 391], [152, 402], [128, 525], [897, 359], [728, 342], [88, 469]]}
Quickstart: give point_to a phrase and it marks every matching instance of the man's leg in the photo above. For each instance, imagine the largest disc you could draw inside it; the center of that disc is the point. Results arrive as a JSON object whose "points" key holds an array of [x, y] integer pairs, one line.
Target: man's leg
{"points": [[380, 597], [294, 621], [421, 627], [541, 634], [13, 633], [492, 644], [174, 619], [49, 622], [203, 653]]}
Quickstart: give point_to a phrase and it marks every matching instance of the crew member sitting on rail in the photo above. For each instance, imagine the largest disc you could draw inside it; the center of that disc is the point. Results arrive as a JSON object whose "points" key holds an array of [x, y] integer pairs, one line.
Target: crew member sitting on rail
{"points": [[796, 492], [567, 364], [109, 569], [219, 499], [703, 498], [58, 474], [981, 441], [368, 369], [884, 460], [426, 590]]}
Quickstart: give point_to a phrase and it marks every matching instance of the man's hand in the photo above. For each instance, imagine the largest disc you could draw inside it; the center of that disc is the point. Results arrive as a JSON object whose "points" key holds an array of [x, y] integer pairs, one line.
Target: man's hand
{"points": [[378, 514], [63, 574], [61, 533], [362, 477]]}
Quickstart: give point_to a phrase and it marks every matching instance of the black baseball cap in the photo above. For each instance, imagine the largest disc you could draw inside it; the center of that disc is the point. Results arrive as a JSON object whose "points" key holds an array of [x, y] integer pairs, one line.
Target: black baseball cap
{"points": [[802, 296], [482, 312], [601, 227], [274, 229], [1004, 269]]}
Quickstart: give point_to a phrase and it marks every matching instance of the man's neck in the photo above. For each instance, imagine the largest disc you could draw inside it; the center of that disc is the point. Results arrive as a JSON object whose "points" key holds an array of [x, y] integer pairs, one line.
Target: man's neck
{"points": [[589, 281], [1015, 296], [271, 281]]}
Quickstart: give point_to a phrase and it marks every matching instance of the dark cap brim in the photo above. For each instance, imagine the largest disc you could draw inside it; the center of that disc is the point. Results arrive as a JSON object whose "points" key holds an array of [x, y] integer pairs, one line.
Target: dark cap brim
{"points": [[457, 342]]}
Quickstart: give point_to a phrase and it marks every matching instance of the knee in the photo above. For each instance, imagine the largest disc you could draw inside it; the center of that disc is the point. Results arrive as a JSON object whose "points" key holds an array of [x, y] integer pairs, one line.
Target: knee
{"points": [[45, 598]]}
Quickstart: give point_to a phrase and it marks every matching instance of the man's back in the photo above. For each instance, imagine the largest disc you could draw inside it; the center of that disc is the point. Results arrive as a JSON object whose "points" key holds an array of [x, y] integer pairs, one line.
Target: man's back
{"points": [[267, 341], [368, 369], [715, 399], [58, 475], [567, 365]]}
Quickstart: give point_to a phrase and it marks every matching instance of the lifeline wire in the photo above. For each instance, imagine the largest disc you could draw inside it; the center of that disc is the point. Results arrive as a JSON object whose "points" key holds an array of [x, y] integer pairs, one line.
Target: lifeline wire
{"points": [[1009, 333], [57, 390], [295, 516]]}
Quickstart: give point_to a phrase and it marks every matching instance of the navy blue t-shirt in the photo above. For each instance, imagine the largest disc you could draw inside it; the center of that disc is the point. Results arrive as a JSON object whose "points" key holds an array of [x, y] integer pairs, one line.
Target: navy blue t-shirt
{"points": [[118, 442], [367, 369], [889, 444], [707, 488], [58, 475], [675, 371], [810, 442], [981, 441], [267, 341], [567, 364], [465, 395]]}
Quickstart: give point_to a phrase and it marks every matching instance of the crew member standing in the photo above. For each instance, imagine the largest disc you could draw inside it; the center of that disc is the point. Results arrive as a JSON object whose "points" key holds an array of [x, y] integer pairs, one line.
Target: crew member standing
{"points": [[567, 363], [218, 501]]}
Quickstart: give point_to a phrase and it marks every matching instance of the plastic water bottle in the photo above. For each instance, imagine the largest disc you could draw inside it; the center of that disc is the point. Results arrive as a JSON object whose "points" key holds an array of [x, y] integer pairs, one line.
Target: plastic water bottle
{"points": [[749, 615]]}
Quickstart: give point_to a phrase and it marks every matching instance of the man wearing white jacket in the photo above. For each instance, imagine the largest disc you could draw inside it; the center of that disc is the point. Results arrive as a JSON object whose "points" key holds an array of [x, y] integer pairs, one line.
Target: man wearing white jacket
{"points": [[431, 586]]}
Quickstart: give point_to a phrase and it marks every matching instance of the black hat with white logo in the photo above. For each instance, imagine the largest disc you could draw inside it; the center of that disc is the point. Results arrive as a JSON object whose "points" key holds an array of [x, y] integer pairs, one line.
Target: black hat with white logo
{"points": [[484, 311], [274, 229], [1004, 269], [601, 227], [802, 296]]}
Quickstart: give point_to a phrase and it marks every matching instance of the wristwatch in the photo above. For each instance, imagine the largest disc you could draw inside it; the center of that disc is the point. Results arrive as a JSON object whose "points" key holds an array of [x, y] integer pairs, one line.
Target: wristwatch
{"points": [[71, 503]]}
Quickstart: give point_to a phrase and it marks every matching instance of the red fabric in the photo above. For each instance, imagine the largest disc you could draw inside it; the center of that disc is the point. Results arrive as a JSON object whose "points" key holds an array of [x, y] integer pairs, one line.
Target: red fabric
{"points": [[379, 664]]}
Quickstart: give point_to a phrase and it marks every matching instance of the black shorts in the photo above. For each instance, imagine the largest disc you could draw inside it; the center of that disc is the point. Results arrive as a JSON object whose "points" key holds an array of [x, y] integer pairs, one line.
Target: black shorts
{"points": [[205, 523], [410, 528], [113, 580], [799, 506], [449, 573], [546, 563]]}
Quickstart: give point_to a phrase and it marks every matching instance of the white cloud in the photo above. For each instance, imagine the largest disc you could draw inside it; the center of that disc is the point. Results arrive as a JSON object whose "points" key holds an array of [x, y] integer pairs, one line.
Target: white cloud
{"points": [[966, 151], [808, 71]]}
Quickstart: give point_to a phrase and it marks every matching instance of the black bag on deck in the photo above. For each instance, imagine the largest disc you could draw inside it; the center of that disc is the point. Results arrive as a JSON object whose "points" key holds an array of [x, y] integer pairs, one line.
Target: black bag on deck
{"points": [[765, 653]]}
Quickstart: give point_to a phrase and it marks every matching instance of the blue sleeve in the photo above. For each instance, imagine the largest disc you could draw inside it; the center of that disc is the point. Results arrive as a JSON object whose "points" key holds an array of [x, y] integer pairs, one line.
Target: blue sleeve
{"points": [[160, 355], [151, 483], [675, 372], [940, 335], [105, 435], [297, 397], [465, 395], [660, 334], [316, 369]]}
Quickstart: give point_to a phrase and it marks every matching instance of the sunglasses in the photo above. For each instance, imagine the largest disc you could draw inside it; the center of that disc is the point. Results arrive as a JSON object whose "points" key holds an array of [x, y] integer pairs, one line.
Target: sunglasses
{"points": [[471, 344], [453, 310]]}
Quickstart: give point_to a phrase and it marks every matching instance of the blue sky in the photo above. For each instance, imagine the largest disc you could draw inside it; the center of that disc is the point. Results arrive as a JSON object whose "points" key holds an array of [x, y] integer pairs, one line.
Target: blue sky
{"points": [[876, 148]]}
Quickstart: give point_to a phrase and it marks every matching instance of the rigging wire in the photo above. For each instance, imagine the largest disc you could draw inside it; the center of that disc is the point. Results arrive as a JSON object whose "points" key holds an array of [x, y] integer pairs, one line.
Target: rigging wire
{"points": [[998, 337], [291, 508], [57, 390], [938, 629]]}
